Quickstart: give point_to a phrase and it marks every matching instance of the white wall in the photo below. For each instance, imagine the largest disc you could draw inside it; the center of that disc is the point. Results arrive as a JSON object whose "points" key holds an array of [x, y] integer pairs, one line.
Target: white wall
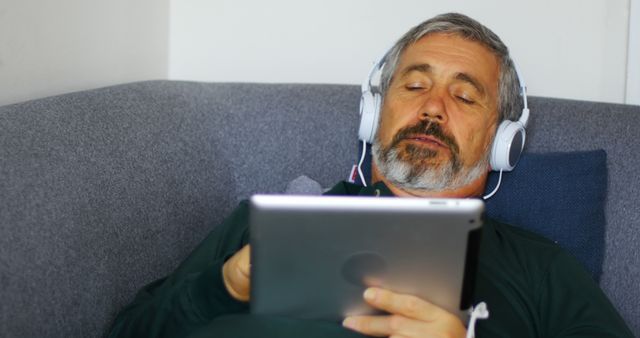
{"points": [[570, 48], [633, 58], [49, 47]]}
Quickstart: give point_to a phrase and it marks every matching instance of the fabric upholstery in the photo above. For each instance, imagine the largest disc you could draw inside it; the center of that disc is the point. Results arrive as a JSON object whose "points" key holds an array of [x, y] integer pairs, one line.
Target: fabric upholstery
{"points": [[103, 191], [564, 195]]}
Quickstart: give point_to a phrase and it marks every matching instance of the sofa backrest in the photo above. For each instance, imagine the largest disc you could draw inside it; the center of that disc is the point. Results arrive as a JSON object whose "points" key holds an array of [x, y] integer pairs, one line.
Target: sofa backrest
{"points": [[103, 191]]}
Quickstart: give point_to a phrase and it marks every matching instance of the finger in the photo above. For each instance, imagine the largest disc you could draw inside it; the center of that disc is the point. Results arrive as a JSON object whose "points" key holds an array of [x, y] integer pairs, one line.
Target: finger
{"points": [[244, 261], [239, 264], [384, 326], [401, 304], [377, 326], [236, 277]]}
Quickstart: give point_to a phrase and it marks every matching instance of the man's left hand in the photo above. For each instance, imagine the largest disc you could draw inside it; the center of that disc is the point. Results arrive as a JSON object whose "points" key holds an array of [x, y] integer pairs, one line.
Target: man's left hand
{"points": [[409, 316]]}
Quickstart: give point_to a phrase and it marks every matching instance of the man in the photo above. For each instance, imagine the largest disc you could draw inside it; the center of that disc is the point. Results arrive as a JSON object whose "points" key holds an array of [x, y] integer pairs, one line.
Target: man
{"points": [[446, 86]]}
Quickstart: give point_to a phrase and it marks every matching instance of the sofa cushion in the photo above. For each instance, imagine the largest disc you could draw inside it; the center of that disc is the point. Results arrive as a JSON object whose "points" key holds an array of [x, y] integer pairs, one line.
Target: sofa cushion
{"points": [[560, 196]]}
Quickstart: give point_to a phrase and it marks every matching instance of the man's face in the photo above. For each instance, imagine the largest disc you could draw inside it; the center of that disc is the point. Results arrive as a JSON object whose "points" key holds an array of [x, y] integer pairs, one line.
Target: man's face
{"points": [[439, 114]]}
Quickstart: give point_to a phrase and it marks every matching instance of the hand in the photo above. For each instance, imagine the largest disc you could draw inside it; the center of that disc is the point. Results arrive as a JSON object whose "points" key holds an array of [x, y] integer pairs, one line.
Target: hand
{"points": [[236, 272], [409, 316]]}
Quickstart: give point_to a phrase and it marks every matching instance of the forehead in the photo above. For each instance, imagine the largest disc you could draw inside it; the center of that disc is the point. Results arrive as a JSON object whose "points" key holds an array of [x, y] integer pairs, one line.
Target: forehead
{"points": [[450, 55]]}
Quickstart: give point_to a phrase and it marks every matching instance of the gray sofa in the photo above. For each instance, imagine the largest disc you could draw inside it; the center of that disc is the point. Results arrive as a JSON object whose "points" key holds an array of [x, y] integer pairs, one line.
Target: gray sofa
{"points": [[103, 191]]}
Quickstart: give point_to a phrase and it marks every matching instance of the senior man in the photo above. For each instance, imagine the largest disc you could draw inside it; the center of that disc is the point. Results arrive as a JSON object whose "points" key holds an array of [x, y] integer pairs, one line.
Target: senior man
{"points": [[446, 86]]}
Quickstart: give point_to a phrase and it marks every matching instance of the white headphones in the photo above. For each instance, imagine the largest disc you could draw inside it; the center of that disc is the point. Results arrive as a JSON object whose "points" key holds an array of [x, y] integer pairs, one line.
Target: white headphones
{"points": [[507, 144]]}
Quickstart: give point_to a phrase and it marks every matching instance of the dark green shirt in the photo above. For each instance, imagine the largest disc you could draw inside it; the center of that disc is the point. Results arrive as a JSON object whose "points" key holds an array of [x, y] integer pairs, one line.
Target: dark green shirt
{"points": [[532, 289]]}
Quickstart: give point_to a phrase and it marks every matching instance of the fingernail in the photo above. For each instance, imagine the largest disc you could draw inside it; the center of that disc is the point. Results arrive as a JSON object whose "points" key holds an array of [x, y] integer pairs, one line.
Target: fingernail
{"points": [[370, 294], [349, 323]]}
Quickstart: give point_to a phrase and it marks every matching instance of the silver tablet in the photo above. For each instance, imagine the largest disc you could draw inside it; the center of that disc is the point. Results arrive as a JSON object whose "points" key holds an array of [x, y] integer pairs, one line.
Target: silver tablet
{"points": [[313, 256]]}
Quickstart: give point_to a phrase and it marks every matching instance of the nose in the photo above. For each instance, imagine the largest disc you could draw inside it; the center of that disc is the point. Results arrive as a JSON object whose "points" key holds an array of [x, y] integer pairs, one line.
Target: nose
{"points": [[434, 109]]}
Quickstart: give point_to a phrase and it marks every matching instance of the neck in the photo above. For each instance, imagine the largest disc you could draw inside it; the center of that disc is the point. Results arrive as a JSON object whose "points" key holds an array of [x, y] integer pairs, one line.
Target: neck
{"points": [[474, 189]]}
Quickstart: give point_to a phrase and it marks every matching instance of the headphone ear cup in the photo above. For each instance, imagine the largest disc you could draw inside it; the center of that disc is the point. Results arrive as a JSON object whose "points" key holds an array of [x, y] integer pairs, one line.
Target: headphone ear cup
{"points": [[507, 146], [369, 111]]}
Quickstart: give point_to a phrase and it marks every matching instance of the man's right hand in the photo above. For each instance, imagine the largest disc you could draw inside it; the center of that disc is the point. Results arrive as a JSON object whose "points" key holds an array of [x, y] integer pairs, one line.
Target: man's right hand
{"points": [[236, 272]]}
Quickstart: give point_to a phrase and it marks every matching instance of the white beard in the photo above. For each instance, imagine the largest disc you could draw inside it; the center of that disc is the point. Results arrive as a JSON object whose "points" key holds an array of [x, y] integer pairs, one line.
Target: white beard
{"points": [[445, 176]]}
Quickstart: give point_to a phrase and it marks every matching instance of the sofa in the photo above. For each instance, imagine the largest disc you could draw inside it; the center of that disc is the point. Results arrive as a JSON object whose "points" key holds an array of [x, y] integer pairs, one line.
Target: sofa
{"points": [[103, 191]]}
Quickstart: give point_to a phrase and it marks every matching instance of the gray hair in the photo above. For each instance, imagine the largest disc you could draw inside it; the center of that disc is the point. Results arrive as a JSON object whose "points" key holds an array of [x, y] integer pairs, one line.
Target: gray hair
{"points": [[509, 101]]}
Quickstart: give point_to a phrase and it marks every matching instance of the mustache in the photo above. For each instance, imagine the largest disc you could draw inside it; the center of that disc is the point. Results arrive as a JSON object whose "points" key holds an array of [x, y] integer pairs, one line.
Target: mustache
{"points": [[430, 128]]}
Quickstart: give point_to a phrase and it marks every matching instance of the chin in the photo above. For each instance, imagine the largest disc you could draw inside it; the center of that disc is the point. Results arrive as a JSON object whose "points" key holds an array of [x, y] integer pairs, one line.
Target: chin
{"points": [[429, 174]]}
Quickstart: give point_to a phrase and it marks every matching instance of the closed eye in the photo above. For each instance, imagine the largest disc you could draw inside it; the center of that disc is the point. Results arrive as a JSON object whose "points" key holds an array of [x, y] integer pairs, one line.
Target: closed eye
{"points": [[465, 100], [414, 86]]}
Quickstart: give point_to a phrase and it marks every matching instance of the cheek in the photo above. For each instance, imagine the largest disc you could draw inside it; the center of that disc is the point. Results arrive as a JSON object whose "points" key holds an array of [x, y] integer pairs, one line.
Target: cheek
{"points": [[382, 129], [475, 142], [397, 113], [388, 125]]}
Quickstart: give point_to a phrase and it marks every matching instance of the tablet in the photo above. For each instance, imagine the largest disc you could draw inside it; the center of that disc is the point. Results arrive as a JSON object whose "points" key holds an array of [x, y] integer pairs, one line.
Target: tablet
{"points": [[312, 257]]}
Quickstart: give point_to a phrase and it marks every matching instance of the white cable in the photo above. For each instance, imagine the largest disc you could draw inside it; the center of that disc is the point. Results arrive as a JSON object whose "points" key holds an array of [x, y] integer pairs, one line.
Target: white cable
{"points": [[364, 151], [496, 188], [480, 311]]}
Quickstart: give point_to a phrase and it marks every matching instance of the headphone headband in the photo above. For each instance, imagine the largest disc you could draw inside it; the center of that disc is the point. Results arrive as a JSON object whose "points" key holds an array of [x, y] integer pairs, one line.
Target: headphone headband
{"points": [[377, 67], [524, 116]]}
